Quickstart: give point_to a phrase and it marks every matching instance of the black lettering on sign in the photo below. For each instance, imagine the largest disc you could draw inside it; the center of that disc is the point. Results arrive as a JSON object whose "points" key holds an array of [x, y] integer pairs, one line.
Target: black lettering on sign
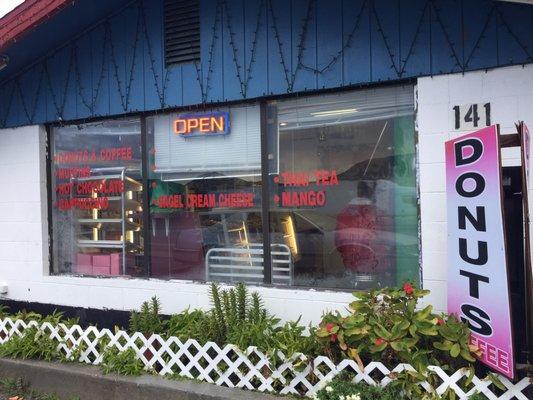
{"points": [[474, 280], [478, 222], [462, 157], [479, 186], [477, 319], [482, 253]]}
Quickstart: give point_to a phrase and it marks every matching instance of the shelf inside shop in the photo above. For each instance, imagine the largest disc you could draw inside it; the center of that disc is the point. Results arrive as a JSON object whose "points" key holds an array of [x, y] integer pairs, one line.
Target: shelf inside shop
{"points": [[108, 244], [116, 228], [107, 221]]}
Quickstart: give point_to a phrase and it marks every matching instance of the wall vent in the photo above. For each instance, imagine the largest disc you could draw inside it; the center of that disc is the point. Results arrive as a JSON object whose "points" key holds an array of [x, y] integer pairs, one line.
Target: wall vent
{"points": [[182, 31]]}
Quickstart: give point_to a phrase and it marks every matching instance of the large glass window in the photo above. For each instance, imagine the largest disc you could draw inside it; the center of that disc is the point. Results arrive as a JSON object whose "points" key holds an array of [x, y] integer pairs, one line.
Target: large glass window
{"points": [[97, 199], [342, 187], [205, 195]]}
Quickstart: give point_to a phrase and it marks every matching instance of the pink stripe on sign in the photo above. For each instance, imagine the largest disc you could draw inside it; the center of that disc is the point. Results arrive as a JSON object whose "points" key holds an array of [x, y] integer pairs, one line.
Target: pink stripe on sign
{"points": [[478, 290]]}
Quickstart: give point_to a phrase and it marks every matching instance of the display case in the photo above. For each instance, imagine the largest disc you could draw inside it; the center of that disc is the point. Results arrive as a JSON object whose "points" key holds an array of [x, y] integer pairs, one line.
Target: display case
{"points": [[109, 218]]}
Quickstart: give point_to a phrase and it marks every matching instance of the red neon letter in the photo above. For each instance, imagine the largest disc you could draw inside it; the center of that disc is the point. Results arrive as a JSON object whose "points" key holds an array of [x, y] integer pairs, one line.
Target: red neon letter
{"points": [[218, 123], [177, 128], [192, 124], [204, 124]]}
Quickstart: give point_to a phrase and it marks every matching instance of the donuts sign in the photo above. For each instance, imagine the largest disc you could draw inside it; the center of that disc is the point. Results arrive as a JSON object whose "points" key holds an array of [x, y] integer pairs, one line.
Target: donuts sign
{"points": [[478, 290]]}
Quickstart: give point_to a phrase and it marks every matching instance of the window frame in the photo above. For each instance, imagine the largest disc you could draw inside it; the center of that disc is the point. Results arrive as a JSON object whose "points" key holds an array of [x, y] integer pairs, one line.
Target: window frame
{"points": [[265, 183], [50, 144]]}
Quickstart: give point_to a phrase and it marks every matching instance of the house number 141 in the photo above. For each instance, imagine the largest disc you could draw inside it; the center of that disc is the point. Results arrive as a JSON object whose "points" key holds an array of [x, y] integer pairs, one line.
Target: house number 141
{"points": [[471, 116]]}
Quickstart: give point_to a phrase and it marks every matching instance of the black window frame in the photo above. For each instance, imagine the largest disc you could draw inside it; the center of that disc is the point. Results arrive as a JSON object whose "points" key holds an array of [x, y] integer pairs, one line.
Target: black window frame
{"points": [[265, 185]]}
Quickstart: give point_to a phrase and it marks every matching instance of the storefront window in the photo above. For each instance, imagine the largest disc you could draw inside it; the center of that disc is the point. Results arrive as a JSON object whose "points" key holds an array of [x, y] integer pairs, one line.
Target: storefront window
{"points": [[342, 210], [205, 195], [343, 189], [97, 199]]}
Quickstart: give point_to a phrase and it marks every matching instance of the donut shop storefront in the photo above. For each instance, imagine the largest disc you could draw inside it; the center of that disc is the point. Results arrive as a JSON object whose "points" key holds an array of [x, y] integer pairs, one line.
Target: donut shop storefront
{"points": [[316, 192]]}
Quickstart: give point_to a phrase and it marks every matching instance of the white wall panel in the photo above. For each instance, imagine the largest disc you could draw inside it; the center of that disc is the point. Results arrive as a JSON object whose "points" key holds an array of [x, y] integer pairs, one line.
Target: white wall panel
{"points": [[510, 93]]}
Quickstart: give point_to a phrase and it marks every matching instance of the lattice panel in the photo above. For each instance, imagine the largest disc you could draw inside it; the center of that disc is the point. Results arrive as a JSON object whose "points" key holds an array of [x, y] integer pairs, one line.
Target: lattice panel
{"points": [[249, 369]]}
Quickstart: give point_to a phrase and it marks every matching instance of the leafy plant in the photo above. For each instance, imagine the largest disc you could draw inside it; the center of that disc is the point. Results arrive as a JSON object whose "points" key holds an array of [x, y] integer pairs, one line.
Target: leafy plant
{"points": [[28, 316], [189, 325], [4, 311], [35, 343], [385, 324], [240, 318], [148, 319], [478, 396], [58, 317], [341, 388], [55, 318], [454, 338], [409, 384], [76, 351], [257, 333], [236, 310], [291, 338], [121, 362], [14, 387]]}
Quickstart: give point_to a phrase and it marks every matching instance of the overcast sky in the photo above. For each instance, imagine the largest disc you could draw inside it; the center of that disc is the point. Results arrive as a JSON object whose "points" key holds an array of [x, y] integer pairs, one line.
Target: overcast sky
{"points": [[7, 5]]}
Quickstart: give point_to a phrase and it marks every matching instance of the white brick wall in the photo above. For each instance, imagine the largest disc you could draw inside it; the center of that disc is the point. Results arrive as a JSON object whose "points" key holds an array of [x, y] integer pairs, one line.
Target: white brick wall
{"points": [[510, 92], [22, 226]]}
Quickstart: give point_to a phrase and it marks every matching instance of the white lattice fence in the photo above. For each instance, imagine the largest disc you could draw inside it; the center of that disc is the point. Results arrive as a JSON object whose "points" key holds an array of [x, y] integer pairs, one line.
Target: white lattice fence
{"points": [[250, 369]]}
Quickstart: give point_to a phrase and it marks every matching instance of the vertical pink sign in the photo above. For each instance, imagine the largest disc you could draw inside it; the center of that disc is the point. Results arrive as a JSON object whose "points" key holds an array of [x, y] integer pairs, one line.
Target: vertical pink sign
{"points": [[478, 290]]}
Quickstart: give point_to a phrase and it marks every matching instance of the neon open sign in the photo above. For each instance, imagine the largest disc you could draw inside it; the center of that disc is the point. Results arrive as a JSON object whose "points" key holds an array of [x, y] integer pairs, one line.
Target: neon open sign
{"points": [[210, 124]]}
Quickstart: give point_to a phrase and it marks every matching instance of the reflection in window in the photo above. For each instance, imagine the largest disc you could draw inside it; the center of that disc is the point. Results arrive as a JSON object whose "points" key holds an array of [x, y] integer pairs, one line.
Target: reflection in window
{"points": [[97, 199], [205, 195], [343, 193]]}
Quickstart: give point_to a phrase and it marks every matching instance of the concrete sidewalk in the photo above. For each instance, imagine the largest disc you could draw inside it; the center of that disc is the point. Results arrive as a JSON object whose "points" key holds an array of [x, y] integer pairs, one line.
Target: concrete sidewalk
{"points": [[89, 383]]}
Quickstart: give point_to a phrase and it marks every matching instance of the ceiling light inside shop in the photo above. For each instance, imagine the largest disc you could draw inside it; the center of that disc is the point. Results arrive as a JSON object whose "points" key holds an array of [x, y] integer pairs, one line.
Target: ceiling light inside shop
{"points": [[334, 112]]}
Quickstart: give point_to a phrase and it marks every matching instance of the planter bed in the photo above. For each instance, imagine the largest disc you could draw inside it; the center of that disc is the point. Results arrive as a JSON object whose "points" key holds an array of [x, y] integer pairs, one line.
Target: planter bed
{"points": [[229, 366]]}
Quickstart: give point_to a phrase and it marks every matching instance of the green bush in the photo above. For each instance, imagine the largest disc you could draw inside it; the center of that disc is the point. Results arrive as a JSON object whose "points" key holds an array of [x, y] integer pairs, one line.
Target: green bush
{"points": [[121, 362], [35, 343], [478, 396], [188, 324], [55, 318], [148, 320], [341, 388], [238, 317], [385, 325], [291, 338]]}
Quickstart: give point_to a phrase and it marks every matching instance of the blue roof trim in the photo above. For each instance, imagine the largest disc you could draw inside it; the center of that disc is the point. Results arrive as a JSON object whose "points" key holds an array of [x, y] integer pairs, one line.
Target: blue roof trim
{"points": [[256, 48]]}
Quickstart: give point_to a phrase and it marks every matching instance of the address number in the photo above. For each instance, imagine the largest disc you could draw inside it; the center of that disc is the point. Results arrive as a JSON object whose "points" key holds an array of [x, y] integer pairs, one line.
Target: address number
{"points": [[471, 116]]}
